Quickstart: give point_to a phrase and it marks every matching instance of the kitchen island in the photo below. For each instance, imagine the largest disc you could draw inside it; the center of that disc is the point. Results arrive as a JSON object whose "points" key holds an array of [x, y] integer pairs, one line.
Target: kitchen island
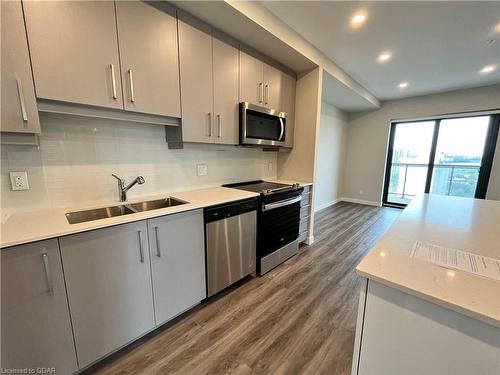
{"points": [[419, 311]]}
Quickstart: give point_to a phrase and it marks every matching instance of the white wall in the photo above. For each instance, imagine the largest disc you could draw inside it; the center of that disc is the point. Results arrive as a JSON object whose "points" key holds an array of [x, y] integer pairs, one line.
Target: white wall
{"points": [[77, 155], [368, 132], [329, 156]]}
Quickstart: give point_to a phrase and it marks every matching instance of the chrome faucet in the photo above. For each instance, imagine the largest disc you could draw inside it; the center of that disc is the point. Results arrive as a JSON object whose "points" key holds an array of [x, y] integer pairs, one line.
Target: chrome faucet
{"points": [[122, 189]]}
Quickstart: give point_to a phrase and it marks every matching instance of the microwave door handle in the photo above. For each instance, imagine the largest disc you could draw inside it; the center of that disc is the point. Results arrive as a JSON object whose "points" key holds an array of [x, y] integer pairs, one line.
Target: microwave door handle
{"points": [[282, 130]]}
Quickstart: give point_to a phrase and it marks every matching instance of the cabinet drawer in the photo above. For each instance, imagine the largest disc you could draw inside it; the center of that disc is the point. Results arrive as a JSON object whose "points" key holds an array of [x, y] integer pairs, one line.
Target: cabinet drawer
{"points": [[304, 211], [307, 189], [303, 237], [304, 224], [306, 197]]}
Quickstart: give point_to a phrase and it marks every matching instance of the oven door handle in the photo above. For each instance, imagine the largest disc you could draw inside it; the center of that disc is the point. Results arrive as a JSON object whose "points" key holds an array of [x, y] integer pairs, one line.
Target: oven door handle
{"points": [[282, 130], [286, 202]]}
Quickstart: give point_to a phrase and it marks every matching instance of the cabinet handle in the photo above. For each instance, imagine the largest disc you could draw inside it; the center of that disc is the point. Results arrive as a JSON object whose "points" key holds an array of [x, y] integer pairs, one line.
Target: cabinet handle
{"points": [[158, 252], [219, 122], [113, 80], [261, 92], [131, 83], [209, 124], [141, 251], [48, 277], [21, 100], [266, 94]]}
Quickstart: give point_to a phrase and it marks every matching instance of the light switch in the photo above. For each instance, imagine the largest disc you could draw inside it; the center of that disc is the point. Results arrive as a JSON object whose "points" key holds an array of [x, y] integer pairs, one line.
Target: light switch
{"points": [[19, 180], [202, 169]]}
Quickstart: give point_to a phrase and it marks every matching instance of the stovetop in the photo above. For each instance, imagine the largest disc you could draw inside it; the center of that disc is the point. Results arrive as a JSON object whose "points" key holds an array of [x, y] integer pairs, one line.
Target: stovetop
{"points": [[258, 186]]}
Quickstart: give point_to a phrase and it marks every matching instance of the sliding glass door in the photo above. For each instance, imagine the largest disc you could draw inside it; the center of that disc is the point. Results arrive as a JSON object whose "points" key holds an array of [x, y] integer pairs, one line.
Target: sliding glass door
{"points": [[450, 156]]}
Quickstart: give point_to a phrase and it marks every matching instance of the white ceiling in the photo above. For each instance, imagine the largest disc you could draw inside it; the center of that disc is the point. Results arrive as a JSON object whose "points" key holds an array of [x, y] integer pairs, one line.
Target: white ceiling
{"points": [[227, 19], [435, 46]]}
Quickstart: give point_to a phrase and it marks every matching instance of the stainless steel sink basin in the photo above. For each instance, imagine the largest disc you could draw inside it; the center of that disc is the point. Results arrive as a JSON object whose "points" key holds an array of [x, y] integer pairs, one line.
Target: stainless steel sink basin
{"points": [[97, 213], [155, 204], [125, 209]]}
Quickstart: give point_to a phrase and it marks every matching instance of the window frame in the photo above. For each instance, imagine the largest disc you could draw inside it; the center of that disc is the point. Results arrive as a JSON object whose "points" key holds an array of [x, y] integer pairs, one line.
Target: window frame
{"points": [[486, 159]]}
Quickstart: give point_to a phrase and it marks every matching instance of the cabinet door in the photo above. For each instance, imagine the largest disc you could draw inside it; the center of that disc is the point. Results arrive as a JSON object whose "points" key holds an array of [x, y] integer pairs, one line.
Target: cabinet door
{"points": [[225, 60], [74, 51], [19, 110], [272, 87], [149, 58], [36, 328], [195, 48], [288, 106], [108, 277], [251, 79], [178, 263]]}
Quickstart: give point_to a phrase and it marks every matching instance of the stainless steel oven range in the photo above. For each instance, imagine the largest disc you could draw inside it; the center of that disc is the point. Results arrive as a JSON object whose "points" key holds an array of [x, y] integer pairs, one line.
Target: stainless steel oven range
{"points": [[278, 218]]}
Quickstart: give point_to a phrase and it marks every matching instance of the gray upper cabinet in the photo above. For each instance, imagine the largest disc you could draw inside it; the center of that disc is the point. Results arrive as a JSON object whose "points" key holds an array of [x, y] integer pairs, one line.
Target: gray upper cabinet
{"points": [[177, 262], [19, 111], [36, 328], [149, 57], [272, 87], [195, 48], [288, 106], [108, 277], [260, 83], [225, 73], [251, 79], [74, 51]]}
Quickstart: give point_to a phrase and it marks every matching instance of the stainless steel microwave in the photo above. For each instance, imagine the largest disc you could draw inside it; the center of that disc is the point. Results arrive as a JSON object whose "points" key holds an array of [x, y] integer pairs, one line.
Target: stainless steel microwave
{"points": [[261, 126]]}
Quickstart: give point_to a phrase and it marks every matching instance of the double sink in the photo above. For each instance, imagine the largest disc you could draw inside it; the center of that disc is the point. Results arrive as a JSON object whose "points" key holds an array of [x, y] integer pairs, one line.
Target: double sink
{"points": [[120, 210]]}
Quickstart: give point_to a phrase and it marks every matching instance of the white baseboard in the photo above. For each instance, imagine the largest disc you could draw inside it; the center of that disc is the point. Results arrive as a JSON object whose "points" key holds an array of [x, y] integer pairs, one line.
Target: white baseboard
{"points": [[360, 201], [326, 205]]}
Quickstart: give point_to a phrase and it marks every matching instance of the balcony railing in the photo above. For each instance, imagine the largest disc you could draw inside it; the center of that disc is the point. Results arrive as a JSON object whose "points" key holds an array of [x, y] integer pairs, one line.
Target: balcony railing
{"points": [[408, 179]]}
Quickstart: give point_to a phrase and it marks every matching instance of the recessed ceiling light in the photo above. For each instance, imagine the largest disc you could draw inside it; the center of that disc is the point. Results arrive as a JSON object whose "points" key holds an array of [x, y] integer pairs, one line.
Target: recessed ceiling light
{"points": [[384, 57], [403, 85], [488, 69], [358, 19]]}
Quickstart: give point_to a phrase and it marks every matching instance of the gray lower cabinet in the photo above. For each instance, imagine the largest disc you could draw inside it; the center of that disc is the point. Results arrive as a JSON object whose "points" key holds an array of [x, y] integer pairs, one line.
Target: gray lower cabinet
{"points": [[149, 57], [177, 263], [108, 277], [36, 328], [19, 111], [74, 51]]}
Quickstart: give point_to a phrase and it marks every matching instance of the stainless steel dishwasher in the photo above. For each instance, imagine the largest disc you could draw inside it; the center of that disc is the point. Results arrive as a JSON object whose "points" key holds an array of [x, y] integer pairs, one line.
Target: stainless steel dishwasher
{"points": [[231, 238]]}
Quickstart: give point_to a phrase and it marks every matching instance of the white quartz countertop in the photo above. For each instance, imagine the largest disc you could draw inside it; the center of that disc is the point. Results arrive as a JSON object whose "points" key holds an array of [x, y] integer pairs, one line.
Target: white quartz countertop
{"points": [[24, 227], [471, 225]]}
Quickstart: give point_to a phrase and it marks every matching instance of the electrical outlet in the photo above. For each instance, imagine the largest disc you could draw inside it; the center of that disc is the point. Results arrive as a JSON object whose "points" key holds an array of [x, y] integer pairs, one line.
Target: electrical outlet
{"points": [[361, 192], [202, 169], [270, 167], [19, 181]]}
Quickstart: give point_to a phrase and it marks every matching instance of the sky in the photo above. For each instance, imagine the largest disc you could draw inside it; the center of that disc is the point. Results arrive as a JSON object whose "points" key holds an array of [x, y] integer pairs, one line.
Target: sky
{"points": [[460, 136]]}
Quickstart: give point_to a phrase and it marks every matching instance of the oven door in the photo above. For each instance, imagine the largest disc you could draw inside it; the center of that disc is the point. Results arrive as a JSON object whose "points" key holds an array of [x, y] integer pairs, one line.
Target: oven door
{"points": [[279, 225], [261, 126]]}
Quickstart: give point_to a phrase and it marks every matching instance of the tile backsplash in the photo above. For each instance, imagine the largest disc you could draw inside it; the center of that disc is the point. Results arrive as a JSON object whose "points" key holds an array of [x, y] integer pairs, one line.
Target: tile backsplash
{"points": [[76, 156]]}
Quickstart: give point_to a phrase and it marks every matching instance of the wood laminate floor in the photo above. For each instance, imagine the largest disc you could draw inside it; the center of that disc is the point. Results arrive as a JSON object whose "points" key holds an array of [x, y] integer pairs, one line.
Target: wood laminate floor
{"points": [[298, 319]]}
